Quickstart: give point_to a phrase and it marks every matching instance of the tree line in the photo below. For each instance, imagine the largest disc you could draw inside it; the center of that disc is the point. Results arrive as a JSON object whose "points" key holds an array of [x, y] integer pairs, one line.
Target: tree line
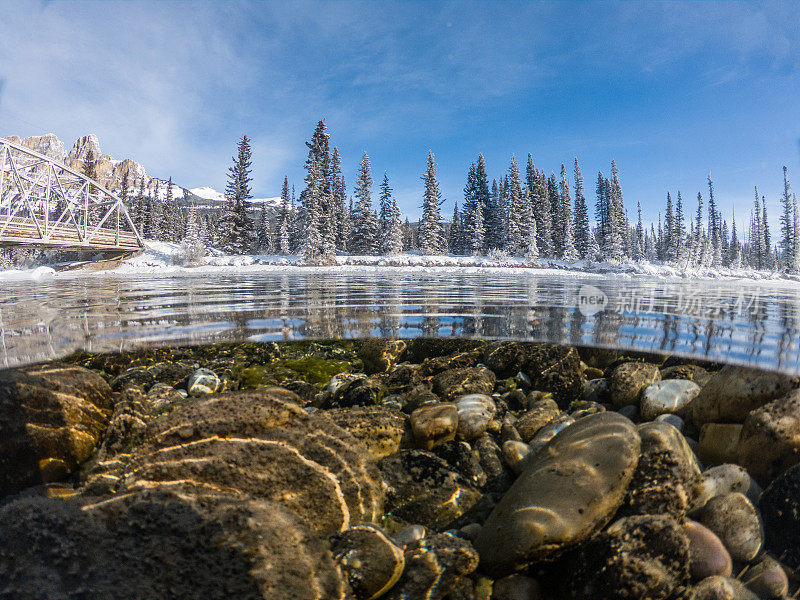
{"points": [[532, 215]]}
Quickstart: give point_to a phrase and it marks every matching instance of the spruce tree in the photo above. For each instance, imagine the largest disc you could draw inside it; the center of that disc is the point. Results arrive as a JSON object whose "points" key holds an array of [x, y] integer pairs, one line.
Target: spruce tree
{"points": [[757, 235], [386, 214], [515, 211], [638, 253], [340, 214], [468, 207], [670, 251], [735, 250], [601, 209], [697, 247], [714, 227], [477, 234], [431, 234], [581, 216], [493, 219], [483, 198], [679, 230], [363, 236], [616, 222], [393, 243], [234, 228], [787, 225], [767, 243], [795, 266], [312, 243], [593, 252], [568, 250], [456, 236]]}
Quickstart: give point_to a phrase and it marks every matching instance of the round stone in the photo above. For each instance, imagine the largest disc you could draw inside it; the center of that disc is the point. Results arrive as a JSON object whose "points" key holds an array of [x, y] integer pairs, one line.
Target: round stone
{"points": [[537, 416], [673, 420], [707, 553], [549, 431], [669, 396], [516, 454], [735, 521], [767, 579], [628, 380], [434, 424], [720, 480], [718, 587], [203, 382], [475, 412], [516, 587], [732, 392], [562, 496], [371, 562]]}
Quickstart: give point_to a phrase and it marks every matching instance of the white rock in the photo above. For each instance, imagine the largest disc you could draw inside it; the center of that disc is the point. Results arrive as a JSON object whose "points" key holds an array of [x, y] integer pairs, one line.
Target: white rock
{"points": [[668, 396]]}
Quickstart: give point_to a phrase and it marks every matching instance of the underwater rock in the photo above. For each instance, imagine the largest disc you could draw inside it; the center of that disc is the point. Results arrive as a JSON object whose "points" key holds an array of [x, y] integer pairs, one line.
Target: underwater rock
{"points": [[708, 555], [454, 383], [179, 543], [563, 495], [550, 368], [667, 468], [51, 418], [668, 396], [720, 480], [133, 377], [719, 443], [718, 587], [461, 457], [516, 455], [381, 429], [536, 417], [475, 411], [770, 439], [434, 424], [162, 395], [689, 372], [643, 556], [261, 444], [627, 382], [434, 566], [549, 431], [380, 355], [203, 382], [422, 488], [516, 587], [735, 521], [767, 579], [369, 559], [732, 392], [780, 511]]}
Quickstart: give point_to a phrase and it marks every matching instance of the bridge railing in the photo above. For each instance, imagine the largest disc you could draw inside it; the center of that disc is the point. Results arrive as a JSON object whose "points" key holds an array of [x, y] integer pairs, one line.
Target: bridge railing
{"points": [[44, 202]]}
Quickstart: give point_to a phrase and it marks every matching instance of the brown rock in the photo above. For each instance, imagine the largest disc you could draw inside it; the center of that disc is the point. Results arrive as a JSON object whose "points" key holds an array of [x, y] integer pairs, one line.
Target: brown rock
{"points": [[627, 381], [719, 443], [51, 418], [434, 424]]}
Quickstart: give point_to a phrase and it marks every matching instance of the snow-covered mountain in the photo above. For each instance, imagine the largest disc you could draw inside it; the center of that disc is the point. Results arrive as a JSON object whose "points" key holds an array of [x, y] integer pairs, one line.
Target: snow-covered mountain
{"points": [[110, 170]]}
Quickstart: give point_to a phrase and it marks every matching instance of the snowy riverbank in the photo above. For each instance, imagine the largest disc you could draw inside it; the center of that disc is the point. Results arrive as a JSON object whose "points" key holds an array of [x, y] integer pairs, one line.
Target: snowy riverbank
{"points": [[162, 258]]}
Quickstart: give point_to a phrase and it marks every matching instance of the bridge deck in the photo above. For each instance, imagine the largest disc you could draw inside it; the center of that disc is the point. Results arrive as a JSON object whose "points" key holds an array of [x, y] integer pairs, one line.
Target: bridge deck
{"points": [[19, 232]]}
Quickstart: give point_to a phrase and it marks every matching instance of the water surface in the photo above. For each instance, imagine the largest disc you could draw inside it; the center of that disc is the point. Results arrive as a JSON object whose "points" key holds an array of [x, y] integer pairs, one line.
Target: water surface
{"points": [[746, 322]]}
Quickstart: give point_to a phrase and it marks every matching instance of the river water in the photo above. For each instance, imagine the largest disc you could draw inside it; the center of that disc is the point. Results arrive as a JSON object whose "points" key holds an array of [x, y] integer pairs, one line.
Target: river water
{"points": [[745, 322]]}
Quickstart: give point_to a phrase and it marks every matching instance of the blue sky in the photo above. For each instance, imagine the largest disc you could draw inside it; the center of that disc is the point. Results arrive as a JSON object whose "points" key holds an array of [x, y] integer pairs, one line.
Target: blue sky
{"points": [[671, 90]]}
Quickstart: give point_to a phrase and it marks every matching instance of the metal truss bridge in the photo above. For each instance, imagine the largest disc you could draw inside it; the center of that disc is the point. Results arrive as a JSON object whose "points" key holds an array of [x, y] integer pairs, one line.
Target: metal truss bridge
{"points": [[46, 204]]}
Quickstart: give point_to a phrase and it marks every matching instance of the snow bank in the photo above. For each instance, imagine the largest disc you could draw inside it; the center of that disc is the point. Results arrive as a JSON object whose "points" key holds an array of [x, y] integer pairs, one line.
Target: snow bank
{"points": [[164, 258]]}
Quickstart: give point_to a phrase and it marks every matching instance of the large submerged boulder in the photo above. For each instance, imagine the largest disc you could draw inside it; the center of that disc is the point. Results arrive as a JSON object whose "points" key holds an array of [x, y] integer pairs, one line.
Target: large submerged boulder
{"points": [[568, 490]]}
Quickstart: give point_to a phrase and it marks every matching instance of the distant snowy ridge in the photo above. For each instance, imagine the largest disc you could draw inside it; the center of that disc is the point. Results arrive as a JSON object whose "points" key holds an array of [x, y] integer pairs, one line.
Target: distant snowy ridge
{"points": [[211, 195]]}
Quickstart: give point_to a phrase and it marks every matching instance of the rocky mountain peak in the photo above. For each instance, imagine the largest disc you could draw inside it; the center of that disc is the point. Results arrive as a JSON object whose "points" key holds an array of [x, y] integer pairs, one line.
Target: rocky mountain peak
{"points": [[82, 146]]}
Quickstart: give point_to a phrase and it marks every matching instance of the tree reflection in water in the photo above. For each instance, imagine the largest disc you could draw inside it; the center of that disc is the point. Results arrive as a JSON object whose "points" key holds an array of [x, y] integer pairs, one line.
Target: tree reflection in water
{"points": [[745, 322]]}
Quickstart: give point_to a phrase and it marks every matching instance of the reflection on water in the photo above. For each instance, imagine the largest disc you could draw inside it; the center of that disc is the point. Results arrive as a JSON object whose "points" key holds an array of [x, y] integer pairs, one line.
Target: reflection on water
{"points": [[744, 322]]}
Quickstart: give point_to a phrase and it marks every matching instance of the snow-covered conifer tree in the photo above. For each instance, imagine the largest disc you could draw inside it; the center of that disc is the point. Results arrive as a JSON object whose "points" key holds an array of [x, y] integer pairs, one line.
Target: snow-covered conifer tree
{"points": [[493, 219], [478, 233], [515, 208], [786, 244], [581, 215], [363, 235], [431, 233], [456, 232], [393, 243]]}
